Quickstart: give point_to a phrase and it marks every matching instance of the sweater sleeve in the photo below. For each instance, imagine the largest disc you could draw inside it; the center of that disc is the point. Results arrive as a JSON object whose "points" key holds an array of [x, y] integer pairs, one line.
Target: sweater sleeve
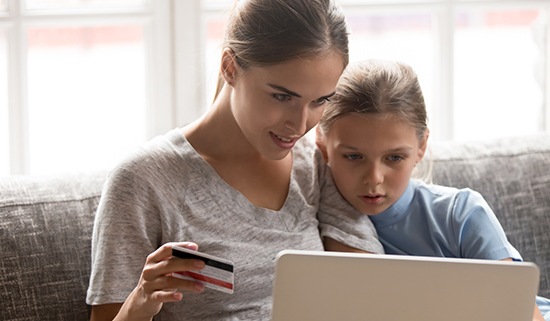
{"points": [[126, 230]]}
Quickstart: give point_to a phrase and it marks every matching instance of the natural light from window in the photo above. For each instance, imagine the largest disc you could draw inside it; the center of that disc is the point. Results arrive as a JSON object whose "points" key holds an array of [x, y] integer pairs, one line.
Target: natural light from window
{"points": [[71, 4], [4, 116], [373, 36], [499, 72], [85, 82], [86, 86], [403, 37]]}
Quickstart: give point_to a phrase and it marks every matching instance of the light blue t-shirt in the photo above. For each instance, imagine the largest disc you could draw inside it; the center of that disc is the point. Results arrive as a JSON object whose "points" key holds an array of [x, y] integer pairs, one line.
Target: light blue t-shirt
{"points": [[433, 220]]}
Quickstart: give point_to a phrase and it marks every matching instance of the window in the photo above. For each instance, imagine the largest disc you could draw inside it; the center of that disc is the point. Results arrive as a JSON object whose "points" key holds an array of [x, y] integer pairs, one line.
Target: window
{"points": [[87, 82], [499, 72], [4, 123], [83, 82], [482, 65]]}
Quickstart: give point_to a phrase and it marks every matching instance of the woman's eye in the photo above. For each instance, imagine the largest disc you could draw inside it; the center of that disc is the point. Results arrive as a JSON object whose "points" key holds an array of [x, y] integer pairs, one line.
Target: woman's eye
{"points": [[321, 101], [395, 158], [352, 157], [281, 97]]}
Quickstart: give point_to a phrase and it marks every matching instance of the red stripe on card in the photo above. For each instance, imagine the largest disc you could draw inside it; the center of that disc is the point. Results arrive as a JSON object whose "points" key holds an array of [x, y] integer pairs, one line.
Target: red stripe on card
{"points": [[207, 279]]}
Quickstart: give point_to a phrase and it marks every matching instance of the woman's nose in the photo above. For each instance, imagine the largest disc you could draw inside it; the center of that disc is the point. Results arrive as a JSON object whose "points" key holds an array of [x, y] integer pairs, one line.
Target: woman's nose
{"points": [[297, 120]]}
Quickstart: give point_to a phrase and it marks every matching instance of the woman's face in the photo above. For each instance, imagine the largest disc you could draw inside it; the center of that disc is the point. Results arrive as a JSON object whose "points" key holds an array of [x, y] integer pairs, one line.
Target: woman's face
{"points": [[276, 105]]}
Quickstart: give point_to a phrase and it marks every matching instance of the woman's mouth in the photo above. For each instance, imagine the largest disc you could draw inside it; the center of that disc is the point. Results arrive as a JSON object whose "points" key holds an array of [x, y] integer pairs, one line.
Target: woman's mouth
{"points": [[283, 139], [283, 142]]}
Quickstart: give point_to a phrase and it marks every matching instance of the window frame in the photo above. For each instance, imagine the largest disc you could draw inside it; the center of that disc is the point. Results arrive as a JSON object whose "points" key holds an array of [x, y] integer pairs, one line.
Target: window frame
{"points": [[175, 41], [442, 120], [156, 19]]}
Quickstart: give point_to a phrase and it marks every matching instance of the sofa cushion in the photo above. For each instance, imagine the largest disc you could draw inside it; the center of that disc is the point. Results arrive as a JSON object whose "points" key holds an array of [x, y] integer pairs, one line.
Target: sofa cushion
{"points": [[45, 245], [513, 175]]}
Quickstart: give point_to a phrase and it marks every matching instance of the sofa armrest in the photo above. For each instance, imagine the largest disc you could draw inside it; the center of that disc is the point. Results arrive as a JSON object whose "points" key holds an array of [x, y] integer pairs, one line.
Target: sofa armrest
{"points": [[45, 244]]}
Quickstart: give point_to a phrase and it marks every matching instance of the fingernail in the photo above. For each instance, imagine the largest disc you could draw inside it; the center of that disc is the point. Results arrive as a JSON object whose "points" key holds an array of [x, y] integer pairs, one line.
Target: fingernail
{"points": [[191, 246], [199, 263]]}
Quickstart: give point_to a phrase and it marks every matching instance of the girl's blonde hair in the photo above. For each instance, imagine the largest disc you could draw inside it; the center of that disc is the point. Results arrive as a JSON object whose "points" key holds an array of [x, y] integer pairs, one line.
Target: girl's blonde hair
{"points": [[268, 32], [378, 87]]}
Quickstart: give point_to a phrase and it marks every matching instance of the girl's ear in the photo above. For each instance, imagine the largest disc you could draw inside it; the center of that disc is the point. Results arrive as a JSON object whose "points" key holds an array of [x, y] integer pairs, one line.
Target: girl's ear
{"points": [[423, 145], [321, 143], [229, 66]]}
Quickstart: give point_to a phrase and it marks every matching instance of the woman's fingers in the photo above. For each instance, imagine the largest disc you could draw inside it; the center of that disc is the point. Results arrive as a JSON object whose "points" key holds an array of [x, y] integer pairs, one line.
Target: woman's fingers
{"points": [[160, 262], [152, 271], [157, 285], [172, 283], [165, 251], [157, 273], [167, 296]]}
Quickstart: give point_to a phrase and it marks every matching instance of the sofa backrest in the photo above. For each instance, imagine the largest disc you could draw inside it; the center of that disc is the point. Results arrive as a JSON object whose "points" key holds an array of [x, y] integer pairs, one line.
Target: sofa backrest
{"points": [[45, 245], [46, 222], [513, 175]]}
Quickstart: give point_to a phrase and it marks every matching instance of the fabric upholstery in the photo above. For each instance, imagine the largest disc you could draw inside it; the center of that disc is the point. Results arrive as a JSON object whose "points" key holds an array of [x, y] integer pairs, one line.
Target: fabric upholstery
{"points": [[46, 222], [45, 232], [513, 175]]}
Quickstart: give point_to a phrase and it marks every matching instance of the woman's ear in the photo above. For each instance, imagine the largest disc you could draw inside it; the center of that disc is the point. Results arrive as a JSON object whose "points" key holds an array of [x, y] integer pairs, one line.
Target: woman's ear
{"points": [[321, 143], [229, 66], [423, 145]]}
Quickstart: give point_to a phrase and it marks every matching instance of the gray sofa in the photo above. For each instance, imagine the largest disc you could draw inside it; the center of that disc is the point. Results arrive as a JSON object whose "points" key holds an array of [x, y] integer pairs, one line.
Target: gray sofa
{"points": [[46, 222]]}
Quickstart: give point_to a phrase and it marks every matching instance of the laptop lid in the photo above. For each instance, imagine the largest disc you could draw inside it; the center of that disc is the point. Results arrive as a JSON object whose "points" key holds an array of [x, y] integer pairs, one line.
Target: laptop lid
{"points": [[320, 286]]}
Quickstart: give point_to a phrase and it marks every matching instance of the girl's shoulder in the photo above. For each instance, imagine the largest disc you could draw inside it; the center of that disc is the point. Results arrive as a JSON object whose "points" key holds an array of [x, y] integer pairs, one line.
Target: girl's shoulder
{"points": [[446, 194]]}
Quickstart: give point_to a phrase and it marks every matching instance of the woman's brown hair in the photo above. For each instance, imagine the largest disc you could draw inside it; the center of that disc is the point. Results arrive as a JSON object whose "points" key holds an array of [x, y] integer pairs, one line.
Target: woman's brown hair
{"points": [[268, 32]]}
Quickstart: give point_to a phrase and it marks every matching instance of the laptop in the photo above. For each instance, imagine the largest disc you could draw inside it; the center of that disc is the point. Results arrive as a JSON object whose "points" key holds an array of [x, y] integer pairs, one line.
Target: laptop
{"points": [[332, 286]]}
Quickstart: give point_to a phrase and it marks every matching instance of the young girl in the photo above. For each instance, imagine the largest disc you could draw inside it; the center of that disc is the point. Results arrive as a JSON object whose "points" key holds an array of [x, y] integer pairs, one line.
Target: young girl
{"points": [[373, 133], [238, 182]]}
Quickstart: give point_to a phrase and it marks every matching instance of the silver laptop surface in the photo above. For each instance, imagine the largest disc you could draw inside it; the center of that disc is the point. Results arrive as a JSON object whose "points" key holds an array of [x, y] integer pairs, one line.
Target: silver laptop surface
{"points": [[348, 286]]}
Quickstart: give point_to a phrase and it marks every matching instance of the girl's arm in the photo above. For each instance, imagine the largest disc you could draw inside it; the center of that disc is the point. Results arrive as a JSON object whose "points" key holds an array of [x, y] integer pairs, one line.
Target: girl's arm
{"points": [[537, 315], [155, 286]]}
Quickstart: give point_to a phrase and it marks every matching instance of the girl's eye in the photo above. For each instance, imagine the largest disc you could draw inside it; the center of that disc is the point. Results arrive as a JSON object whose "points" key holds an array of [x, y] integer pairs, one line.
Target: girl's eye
{"points": [[281, 97], [352, 157], [395, 158]]}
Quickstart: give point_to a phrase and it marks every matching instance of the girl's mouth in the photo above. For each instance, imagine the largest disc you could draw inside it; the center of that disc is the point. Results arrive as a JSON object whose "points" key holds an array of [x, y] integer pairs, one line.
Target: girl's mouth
{"points": [[372, 199]]}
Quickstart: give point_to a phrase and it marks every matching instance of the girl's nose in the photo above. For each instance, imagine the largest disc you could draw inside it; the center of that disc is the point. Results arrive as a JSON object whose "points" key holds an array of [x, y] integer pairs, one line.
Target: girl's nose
{"points": [[373, 174]]}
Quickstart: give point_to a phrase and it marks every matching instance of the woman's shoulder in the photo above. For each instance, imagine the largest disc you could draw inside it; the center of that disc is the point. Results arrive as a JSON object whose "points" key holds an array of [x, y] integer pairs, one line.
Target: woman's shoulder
{"points": [[160, 158]]}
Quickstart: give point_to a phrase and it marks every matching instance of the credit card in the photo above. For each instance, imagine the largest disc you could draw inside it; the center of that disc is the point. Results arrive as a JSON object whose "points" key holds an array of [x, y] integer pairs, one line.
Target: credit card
{"points": [[217, 273]]}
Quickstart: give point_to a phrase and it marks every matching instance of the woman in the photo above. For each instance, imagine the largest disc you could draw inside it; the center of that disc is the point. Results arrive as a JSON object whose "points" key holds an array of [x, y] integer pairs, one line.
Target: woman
{"points": [[238, 182]]}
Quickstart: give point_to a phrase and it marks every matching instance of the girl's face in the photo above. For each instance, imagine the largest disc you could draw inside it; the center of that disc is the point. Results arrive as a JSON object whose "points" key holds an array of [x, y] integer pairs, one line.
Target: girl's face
{"points": [[372, 159], [276, 105]]}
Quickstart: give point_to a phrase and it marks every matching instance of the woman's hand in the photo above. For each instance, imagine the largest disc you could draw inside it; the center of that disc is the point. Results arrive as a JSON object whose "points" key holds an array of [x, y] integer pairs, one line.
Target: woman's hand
{"points": [[157, 285]]}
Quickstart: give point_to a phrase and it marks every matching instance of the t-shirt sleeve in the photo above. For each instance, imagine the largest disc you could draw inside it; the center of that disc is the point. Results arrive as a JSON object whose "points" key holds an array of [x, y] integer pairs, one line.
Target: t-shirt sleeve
{"points": [[126, 230], [478, 231], [339, 220]]}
